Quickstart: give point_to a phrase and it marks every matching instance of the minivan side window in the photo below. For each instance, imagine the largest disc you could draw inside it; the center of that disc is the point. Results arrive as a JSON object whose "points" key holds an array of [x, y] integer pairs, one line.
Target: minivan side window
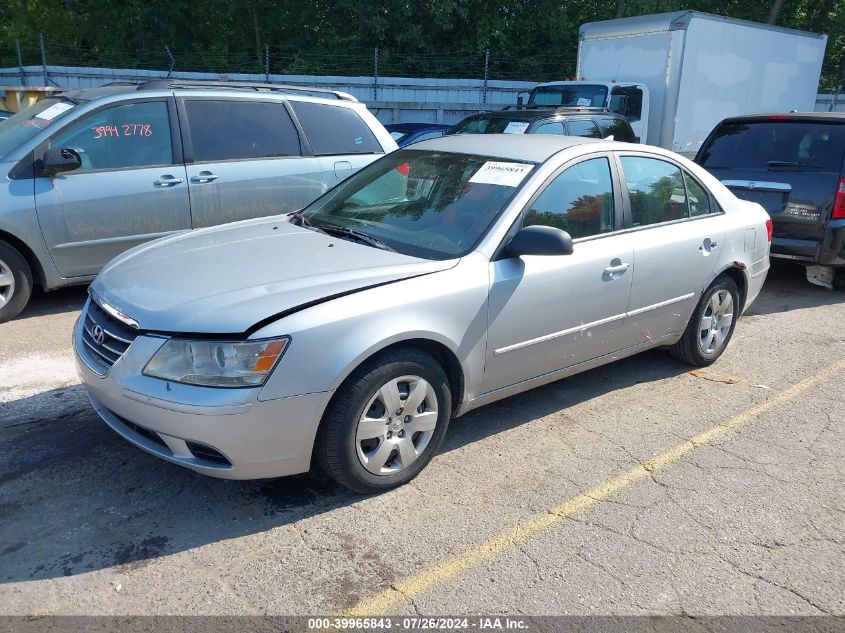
{"points": [[656, 190], [583, 127], [579, 200], [240, 130], [120, 137], [335, 129], [551, 127]]}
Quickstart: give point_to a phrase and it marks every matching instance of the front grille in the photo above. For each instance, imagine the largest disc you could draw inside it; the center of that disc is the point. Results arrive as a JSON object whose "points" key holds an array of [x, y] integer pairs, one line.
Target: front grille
{"points": [[116, 337]]}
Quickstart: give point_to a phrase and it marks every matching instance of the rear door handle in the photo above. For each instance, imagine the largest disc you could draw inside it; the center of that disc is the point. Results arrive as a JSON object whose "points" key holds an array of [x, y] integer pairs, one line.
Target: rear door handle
{"points": [[167, 180], [707, 245], [616, 269], [204, 176]]}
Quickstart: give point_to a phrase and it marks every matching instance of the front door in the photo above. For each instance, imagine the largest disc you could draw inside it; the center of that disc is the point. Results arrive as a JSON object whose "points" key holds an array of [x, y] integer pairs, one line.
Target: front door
{"points": [[677, 234], [551, 312], [245, 161], [128, 190]]}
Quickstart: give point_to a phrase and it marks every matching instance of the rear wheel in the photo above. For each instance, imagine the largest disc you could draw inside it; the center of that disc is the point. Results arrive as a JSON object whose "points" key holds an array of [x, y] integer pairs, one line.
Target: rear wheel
{"points": [[15, 282], [711, 326], [385, 422]]}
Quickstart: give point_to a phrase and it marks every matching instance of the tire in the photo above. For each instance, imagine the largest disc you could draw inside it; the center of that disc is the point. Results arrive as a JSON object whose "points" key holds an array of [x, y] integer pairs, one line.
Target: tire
{"points": [[15, 282], [702, 347], [369, 455]]}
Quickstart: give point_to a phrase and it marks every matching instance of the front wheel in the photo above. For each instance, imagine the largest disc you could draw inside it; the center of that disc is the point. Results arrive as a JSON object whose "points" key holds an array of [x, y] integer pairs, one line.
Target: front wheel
{"points": [[385, 422], [711, 326], [15, 282]]}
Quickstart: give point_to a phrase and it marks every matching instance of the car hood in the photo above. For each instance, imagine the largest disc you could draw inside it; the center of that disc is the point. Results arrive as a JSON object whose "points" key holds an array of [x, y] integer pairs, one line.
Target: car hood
{"points": [[226, 279]]}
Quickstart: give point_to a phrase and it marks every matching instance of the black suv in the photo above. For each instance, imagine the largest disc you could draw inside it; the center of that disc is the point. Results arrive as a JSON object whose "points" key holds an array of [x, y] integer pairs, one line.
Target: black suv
{"points": [[589, 122], [792, 164]]}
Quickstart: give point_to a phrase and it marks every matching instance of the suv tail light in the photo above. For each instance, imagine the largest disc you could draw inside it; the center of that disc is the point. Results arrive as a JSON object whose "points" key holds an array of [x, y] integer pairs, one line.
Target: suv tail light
{"points": [[839, 205], [769, 229]]}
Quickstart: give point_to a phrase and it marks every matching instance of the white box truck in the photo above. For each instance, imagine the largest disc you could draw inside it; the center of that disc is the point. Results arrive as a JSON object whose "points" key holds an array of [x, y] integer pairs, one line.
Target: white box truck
{"points": [[675, 75]]}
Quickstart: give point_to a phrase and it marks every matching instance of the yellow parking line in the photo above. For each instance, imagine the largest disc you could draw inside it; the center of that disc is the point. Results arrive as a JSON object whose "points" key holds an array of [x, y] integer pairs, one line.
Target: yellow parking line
{"points": [[415, 585]]}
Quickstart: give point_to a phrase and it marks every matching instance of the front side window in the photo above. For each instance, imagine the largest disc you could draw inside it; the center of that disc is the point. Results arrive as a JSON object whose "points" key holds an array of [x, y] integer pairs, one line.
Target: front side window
{"points": [[583, 127], [579, 200], [656, 189], [240, 130], [436, 205], [121, 137], [335, 129]]}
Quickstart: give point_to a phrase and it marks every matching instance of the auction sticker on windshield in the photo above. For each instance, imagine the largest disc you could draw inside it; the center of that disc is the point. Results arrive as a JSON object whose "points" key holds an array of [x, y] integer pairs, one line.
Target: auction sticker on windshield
{"points": [[515, 127], [505, 174], [53, 111]]}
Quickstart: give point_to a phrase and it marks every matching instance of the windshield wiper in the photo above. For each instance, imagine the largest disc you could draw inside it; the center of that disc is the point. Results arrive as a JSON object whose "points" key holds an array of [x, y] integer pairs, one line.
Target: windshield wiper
{"points": [[790, 163], [345, 231]]}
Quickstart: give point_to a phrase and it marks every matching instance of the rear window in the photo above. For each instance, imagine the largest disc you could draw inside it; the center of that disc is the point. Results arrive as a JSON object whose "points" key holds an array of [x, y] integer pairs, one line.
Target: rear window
{"points": [[335, 129], [775, 144]]}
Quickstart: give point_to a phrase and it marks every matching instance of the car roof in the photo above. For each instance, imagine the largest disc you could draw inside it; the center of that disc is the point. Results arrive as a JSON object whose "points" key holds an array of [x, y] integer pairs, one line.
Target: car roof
{"points": [[535, 148], [832, 117]]}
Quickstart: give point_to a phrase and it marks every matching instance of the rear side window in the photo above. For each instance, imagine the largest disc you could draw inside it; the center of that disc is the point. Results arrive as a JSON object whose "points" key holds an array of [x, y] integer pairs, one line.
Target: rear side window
{"points": [[618, 128], [335, 129], [583, 127], [776, 145], [551, 127], [240, 130], [578, 201], [656, 189]]}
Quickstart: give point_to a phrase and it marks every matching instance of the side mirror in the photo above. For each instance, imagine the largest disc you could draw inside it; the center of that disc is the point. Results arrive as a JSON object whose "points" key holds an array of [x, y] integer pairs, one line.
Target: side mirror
{"points": [[57, 160], [519, 101], [540, 240]]}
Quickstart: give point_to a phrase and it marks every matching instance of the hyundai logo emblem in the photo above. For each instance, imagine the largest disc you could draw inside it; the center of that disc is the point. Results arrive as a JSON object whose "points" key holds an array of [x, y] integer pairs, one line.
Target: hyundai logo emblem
{"points": [[98, 334], [751, 185]]}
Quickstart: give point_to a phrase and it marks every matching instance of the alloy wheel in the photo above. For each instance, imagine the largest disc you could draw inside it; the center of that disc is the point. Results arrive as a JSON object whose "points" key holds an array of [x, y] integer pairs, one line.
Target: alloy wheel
{"points": [[716, 322], [7, 283]]}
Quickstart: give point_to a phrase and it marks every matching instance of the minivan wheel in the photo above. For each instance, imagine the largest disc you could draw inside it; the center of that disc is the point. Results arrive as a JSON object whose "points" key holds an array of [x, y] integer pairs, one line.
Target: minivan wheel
{"points": [[15, 282], [385, 422], [711, 326]]}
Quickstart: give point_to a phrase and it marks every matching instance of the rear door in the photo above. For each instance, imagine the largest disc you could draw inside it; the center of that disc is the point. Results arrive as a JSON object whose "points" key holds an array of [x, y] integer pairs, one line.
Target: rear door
{"points": [[788, 165], [245, 160], [130, 188], [676, 229], [339, 137]]}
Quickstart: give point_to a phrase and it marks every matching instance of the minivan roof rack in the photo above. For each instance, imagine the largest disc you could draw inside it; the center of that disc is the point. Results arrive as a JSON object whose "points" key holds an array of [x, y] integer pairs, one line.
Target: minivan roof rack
{"points": [[168, 84]]}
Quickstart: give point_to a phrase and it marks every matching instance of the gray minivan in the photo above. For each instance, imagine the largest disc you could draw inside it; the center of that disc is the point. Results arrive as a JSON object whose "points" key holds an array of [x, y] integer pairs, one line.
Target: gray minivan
{"points": [[89, 174]]}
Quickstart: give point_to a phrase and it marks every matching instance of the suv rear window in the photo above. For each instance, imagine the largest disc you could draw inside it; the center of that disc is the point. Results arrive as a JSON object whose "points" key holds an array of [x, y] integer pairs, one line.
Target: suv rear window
{"points": [[762, 144], [335, 129]]}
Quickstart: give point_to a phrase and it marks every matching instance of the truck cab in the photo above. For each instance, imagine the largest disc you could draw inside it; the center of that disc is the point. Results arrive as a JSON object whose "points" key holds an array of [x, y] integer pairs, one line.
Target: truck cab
{"points": [[630, 100]]}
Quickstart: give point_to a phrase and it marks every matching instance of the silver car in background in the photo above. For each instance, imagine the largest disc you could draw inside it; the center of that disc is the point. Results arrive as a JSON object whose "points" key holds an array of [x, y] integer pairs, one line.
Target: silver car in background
{"points": [[438, 279]]}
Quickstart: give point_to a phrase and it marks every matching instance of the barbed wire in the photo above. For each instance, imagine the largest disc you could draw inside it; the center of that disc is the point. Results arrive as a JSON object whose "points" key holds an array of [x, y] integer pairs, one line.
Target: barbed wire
{"points": [[287, 60]]}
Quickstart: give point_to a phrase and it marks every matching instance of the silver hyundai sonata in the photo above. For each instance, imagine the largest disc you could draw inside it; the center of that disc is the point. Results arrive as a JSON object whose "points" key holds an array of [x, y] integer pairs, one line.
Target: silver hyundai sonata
{"points": [[438, 279]]}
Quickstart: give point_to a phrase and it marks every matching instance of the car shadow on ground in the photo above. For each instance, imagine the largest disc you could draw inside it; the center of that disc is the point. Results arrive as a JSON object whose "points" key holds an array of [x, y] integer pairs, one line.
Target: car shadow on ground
{"points": [[75, 497], [58, 301]]}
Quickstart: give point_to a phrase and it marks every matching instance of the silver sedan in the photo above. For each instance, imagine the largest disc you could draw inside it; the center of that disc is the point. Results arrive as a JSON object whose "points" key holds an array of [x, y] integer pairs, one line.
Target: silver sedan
{"points": [[439, 279]]}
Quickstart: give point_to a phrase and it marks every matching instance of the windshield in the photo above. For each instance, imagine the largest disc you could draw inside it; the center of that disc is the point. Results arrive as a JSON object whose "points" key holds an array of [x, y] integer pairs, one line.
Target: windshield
{"points": [[490, 125], [776, 144], [24, 125], [581, 95], [435, 205]]}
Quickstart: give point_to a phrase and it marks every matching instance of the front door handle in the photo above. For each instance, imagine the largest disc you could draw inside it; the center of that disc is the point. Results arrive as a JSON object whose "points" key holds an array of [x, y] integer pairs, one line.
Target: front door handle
{"points": [[167, 180], [616, 269], [204, 176]]}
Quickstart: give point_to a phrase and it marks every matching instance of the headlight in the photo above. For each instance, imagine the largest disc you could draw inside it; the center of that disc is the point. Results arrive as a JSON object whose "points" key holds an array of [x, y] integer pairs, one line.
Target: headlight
{"points": [[216, 363]]}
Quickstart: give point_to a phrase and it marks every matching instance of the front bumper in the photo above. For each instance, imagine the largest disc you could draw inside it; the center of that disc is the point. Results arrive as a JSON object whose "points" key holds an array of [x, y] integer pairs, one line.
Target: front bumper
{"points": [[226, 433]]}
